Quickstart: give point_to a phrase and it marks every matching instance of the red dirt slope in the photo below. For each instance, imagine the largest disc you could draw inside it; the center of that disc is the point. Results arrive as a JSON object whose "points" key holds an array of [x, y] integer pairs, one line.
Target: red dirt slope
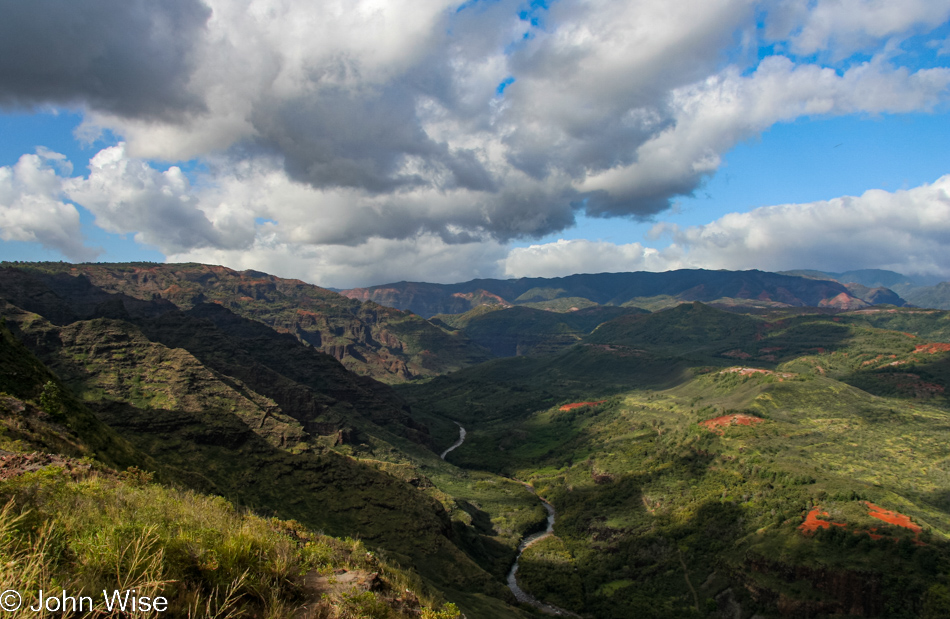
{"points": [[718, 424], [574, 405]]}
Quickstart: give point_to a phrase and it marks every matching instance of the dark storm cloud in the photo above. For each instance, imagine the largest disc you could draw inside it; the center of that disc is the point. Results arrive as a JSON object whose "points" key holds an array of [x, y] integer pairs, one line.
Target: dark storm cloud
{"points": [[128, 57]]}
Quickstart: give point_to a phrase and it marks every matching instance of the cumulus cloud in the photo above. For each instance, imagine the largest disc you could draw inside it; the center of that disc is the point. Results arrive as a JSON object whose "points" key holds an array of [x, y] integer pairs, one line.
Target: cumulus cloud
{"points": [[128, 195], [370, 124], [387, 122], [565, 257], [715, 114], [844, 26], [906, 231], [428, 258], [32, 209]]}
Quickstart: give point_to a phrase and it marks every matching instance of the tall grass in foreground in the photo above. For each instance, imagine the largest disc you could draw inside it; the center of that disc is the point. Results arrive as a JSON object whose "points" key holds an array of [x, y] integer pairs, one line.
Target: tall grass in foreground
{"points": [[209, 560]]}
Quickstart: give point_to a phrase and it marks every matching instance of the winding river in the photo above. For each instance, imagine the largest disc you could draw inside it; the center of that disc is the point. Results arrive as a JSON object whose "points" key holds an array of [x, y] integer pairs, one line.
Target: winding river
{"points": [[520, 594], [457, 443]]}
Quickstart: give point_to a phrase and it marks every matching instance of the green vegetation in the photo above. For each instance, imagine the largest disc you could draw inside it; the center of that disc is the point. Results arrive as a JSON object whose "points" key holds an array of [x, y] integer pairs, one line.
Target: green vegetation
{"points": [[659, 516], [201, 406], [651, 291], [684, 450], [522, 330], [93, 532]]}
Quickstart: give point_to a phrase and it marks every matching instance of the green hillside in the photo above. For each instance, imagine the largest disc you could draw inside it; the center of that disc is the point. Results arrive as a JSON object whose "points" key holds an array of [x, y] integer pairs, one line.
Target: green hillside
{"points": [[219, 404], [659, 515], [71, 523], [937, 297], [524, 330]]}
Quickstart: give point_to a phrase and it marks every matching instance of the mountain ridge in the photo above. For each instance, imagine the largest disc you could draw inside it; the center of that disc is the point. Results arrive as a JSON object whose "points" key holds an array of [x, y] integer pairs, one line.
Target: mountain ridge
{"points": [[370, 339], [639, 289]]}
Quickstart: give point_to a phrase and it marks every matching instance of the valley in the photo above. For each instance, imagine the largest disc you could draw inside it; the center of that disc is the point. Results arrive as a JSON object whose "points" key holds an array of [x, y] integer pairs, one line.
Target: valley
{"points": [[771, 449]]}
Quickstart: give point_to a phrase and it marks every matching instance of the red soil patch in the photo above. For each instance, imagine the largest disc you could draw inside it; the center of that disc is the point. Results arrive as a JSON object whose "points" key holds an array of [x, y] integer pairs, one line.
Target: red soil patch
{"points": [[932, 349], [737, 354], [891, 517], [812, 523], [718, 423], [574, 405], [751, 371]]}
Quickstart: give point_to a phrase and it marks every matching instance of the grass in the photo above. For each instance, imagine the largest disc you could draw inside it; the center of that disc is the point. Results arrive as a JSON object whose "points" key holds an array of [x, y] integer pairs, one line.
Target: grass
{"points": [[208, 559], [169, 413]]}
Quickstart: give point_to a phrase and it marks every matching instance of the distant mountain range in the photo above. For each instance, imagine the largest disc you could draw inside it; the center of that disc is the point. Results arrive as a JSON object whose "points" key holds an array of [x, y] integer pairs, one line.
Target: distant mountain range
{"points": [[644, 290]]}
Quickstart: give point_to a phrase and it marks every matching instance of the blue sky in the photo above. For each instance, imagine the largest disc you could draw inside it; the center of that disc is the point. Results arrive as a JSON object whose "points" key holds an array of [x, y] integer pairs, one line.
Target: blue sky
{"points": [[447, 141], [804, 161]]}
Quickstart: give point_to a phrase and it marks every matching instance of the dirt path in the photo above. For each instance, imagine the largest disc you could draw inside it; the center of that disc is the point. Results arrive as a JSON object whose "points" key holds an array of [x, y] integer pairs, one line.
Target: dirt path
{"points": [[688, 582]]}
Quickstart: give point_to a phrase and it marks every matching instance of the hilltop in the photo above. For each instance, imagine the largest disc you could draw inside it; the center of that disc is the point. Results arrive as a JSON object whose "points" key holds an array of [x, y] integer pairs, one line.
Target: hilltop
{"points": [[920, 291]]}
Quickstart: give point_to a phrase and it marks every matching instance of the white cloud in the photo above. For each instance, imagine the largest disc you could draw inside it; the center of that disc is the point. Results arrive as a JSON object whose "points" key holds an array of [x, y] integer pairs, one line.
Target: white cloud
{"points": [[32, 209], [388, 124], [376, 261], [845, 26], [714, 115], [565, 257], [907, 231], [371, 124], [161, 208]]}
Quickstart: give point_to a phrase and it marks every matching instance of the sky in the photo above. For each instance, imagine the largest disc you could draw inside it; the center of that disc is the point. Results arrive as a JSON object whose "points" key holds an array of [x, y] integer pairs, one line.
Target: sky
{"points": [[372, 141]]}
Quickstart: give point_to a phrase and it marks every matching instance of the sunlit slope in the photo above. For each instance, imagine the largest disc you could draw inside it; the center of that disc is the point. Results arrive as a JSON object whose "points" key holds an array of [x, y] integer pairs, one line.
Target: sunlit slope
{"points": [[668, 506]]}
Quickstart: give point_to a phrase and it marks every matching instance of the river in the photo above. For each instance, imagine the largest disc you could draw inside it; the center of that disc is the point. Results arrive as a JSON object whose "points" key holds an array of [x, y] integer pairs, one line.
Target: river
{"points": [[457, 443], [520, 594]]}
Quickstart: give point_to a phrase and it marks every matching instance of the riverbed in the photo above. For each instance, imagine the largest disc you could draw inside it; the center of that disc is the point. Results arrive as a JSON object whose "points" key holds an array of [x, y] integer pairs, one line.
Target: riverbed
{"points": [[521, 595]]}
